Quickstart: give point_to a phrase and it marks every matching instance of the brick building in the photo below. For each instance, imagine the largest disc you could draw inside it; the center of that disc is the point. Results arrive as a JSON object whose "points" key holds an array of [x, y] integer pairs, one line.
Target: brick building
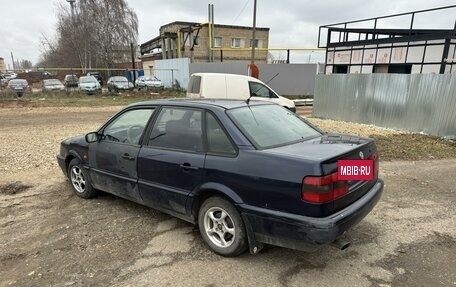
{"points": [[231, 43], [2, 65]]}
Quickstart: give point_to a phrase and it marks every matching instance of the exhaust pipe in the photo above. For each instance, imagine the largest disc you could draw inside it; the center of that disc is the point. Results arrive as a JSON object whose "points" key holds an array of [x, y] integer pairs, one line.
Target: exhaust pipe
{"points": [[340, 244]]}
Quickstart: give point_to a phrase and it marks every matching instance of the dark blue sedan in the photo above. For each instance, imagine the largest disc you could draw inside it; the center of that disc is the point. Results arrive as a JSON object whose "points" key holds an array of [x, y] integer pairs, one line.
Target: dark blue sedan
{"points": [[247, 173]]}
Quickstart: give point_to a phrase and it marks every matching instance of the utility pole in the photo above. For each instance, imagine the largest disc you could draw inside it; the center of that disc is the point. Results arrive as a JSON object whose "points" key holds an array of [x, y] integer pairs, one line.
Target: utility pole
{"points": [[253, 32], [72, 6], [133, 62], [213, 32], [210, 8], [12, 59]]}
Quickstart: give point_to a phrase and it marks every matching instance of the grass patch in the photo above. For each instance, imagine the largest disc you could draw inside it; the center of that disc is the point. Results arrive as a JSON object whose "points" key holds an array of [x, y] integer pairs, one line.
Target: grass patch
{"points": [[413, 147], [77, 99]]}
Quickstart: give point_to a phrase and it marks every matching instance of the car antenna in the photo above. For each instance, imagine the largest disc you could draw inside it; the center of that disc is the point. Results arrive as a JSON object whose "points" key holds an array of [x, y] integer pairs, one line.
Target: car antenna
{"points": [[248, 99], [272, 78]]}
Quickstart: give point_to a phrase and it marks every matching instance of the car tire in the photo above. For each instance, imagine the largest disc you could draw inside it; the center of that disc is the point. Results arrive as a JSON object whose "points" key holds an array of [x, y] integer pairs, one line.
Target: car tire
{"points": [[79, 180], [217, 219]]}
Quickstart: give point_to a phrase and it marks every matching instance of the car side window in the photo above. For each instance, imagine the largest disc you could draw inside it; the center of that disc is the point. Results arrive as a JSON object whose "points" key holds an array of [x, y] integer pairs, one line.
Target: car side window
{"points": [[195, 84], [178, 128], [260, 90], [217, 140], [128, 127]]}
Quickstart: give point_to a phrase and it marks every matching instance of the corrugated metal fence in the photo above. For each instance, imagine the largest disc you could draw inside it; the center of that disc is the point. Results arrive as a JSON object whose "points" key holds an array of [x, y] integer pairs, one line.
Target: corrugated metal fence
{"points": [[417, 103], [173, 72]]}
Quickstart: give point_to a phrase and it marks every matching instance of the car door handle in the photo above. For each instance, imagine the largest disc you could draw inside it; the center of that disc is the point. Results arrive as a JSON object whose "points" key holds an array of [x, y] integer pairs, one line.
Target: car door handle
{"points": [[187, 167], [127, 156]]}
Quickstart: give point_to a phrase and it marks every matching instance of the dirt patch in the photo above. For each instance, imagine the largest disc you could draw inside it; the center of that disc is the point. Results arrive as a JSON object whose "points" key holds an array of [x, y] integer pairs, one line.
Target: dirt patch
{"points": [[429, 262], [14, 187], [51, 237]]}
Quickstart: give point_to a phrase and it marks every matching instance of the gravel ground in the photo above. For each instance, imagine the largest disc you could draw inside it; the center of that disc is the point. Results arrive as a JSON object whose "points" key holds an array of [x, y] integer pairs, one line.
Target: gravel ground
{"points": [[37, 133], [352, 128], [50, 237]]}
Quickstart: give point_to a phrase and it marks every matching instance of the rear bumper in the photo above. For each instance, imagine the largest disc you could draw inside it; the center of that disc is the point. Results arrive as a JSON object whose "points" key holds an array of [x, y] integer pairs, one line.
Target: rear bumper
{"points": [[308, 233]]}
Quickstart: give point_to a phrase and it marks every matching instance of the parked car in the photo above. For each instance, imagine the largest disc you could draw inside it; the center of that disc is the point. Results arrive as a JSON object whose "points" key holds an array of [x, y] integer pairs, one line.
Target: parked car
{"points": [[97, 75], [231, 86], [52, 85], [71, 81], [3, 81], [89, 85], [9, 75], [18, 86], [119, 83], [246, 173], [145, 82]]}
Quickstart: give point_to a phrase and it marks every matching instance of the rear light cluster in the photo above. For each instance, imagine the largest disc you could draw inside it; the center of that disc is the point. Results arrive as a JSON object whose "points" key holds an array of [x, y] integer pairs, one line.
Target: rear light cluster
{"points": [[321, 189], [374, 157]]}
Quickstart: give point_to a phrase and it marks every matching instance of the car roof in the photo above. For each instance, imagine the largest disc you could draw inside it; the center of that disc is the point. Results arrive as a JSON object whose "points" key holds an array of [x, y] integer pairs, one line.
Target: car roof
{"points": [[202, 103], [215, 75]]}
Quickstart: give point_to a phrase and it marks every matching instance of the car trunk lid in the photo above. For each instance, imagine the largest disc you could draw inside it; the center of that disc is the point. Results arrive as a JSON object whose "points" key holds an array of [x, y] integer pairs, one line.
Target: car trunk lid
{"points": [[325, 151]]}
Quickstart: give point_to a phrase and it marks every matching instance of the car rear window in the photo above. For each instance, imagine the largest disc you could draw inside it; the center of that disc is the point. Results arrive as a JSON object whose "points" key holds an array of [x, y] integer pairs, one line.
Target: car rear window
{"points": [[268, 126], [18, 82]]}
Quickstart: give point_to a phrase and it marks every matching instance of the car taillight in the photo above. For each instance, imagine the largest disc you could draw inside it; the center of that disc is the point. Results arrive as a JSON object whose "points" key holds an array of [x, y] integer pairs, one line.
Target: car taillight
{"points": [[374, 157], [321, 189]]}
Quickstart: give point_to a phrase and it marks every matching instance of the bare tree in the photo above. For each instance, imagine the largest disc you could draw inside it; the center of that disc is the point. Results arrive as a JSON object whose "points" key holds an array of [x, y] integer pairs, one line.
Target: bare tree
{"points": [[97, 33]]}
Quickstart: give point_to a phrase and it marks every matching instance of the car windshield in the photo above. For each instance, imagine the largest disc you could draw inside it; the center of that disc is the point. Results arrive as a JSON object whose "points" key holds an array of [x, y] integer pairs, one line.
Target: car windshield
{"points": [[88, 79], [151, 79], [269, 126], [119, 79], [52, 82]]}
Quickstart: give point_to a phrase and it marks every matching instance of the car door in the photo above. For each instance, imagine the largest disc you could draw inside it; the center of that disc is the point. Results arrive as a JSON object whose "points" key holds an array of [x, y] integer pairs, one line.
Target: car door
{"points": [[141, 82], [170, 165], [113, 159]]}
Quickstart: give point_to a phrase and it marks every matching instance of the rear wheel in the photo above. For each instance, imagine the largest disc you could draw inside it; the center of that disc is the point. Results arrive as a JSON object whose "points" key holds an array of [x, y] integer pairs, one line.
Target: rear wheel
{"points": [[79, 180], [221, 227]]}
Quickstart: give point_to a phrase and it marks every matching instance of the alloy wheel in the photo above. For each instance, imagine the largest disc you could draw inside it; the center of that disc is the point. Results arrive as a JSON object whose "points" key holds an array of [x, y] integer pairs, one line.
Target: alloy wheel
{"points": [[77, 179], [219, 227]]}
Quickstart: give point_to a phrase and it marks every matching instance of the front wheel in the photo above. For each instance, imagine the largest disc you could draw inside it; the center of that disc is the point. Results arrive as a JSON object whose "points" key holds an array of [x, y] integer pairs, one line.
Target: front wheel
{"points": [[221, 227], [79, 180]]}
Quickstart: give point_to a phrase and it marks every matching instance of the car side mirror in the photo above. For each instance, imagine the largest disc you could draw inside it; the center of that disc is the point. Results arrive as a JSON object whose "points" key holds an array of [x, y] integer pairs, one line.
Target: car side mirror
{"points": [[92, 137]]}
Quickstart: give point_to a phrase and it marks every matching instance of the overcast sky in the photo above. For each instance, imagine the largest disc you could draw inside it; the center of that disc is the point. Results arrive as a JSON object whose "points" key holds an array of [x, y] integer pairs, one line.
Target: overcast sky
{"points": [[293, 23]]}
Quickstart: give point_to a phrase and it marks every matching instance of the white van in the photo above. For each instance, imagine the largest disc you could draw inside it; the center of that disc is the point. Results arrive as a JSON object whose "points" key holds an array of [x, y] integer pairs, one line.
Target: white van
{"points": [[231, 86]]}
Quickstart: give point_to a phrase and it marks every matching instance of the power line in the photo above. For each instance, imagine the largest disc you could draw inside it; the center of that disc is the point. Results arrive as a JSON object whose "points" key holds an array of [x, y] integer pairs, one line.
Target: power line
{"points": [[242, 10]]}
